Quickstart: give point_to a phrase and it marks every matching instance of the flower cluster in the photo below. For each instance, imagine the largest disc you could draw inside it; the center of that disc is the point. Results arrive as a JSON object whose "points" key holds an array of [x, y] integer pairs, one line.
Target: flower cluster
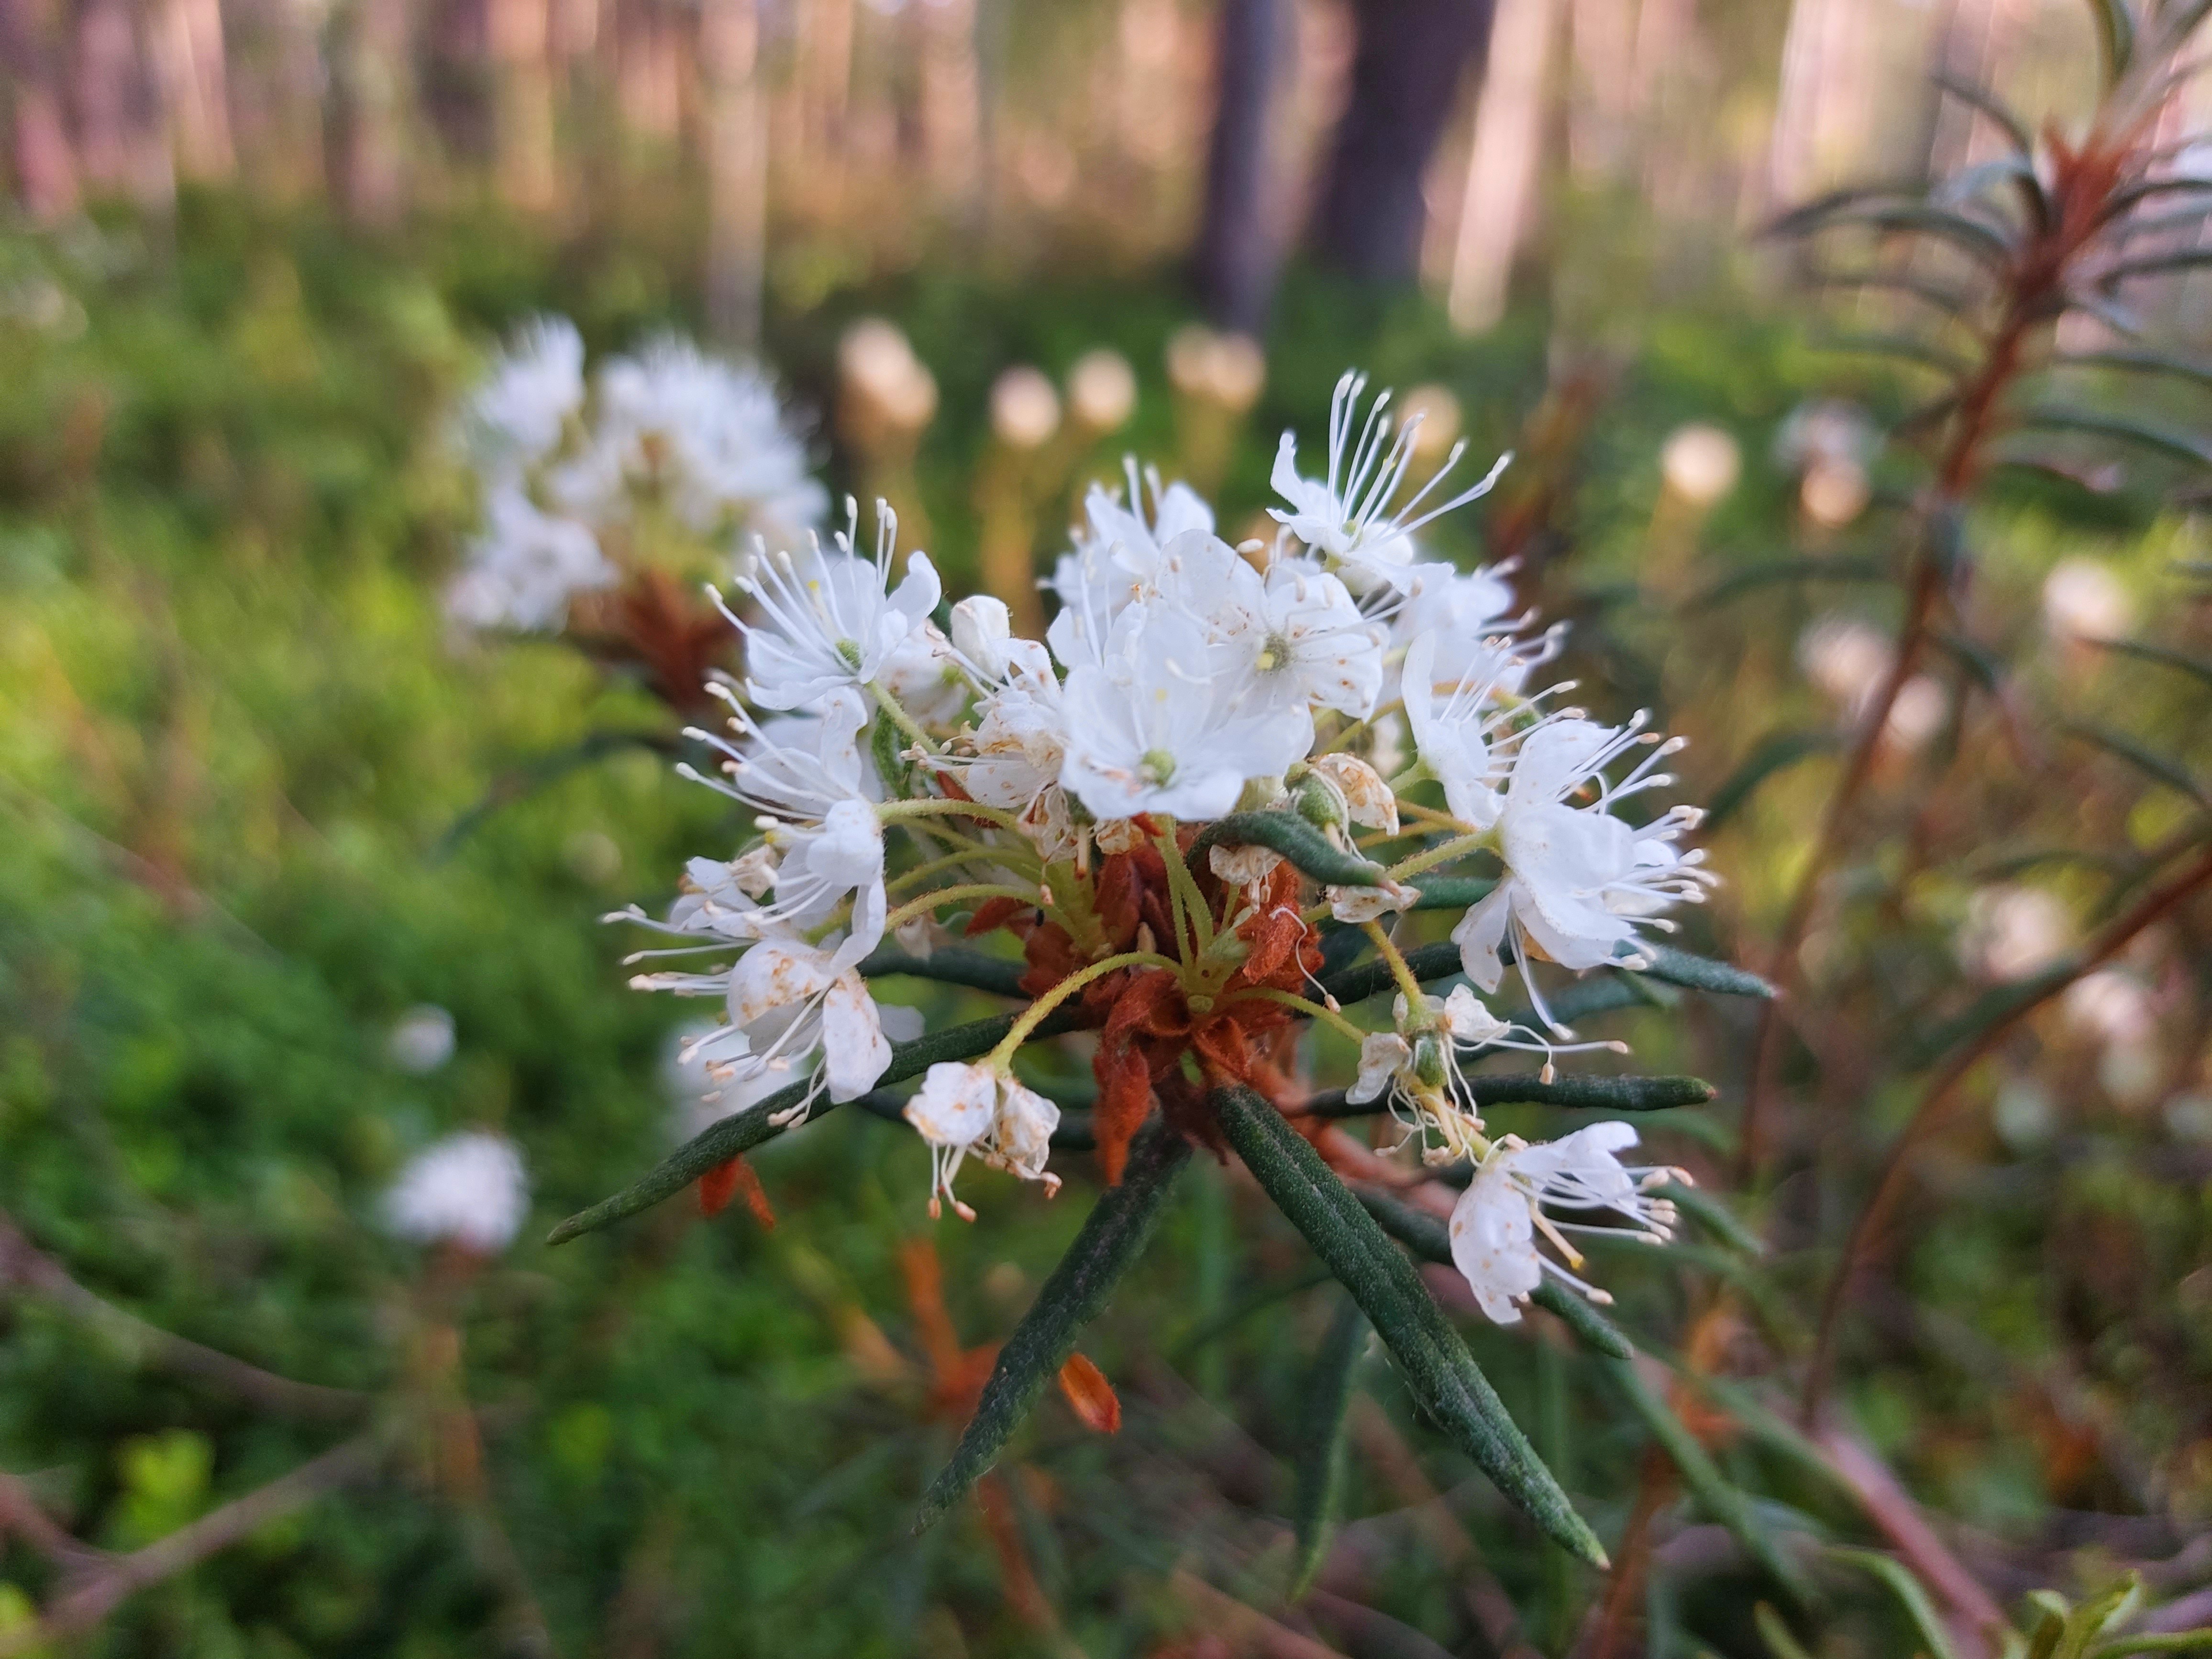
{"points": [[583, 485], [1172, 803]]}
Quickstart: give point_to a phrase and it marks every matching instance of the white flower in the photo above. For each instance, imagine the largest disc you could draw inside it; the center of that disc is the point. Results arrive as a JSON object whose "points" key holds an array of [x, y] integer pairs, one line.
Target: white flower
{"points": [[1470, 616], [468, 1189], [924, 676], [1294, 632], [1013, 758], [1456, 735], [1494, 1225], [1419, 1064], [515, 417], [2113, 1007], [1348, 515], [523, 569], [969, 1107], [710, 435], [1158, 733], [1119, 562], [833, 618], [1577, 879], [786, 1003], [818, 817]]}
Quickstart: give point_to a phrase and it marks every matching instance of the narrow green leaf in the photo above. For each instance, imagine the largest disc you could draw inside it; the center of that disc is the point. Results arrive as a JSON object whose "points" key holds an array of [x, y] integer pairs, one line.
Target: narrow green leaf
{"points": [[2097, 1615], [2140, 361], [2200, 666], [1437, 1369], [1320, 1467], [1766, 574], [1909, 1593], [1910, 348], [2116, 45], [2167, 441], [1452, 892], [1593, 1093], [1714, 1216], [1430, 1240], [2129, 196], [1971, 654], [743, 1131], [1775, 1634], [2179, 1641], [530, 777], [1702, 1477], [1988, 103], [1814, 215], [2168, 771], [1695, 973], [2156, 265], [1775, 753], [1363, 979], [1591, 1328], [997, 975], [1114, 1235], [1951, 301], [1299, 842], [1974, 236]]}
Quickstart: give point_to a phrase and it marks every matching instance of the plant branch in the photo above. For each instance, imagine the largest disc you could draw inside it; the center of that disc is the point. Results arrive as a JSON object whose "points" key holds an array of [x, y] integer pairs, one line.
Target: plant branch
{"points": [[1871, 1218]]}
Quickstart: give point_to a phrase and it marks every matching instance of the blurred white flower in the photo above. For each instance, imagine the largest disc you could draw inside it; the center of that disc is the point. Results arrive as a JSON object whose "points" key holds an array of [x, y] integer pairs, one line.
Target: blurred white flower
{"points": [[711, 435], [1102, 390], [2112, 1008], [1846, 659], [2084, 601], [468, 1189], [1701, 463], [421, 1039], [2012, 933], [516, 417], [1025, 407], [525, 566], [1826, 429]]}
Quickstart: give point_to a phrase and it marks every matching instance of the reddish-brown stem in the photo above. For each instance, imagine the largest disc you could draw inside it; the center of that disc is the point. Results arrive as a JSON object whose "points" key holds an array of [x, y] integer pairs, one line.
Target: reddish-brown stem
{"points": [[23, 1266], [2035, 288], [1872, 1217], [101, 1591]]}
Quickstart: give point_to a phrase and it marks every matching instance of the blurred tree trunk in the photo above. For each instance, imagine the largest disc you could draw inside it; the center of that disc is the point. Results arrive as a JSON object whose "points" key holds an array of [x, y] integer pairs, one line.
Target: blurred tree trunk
{"points": [[275, 71], [189, 50], [1235, 258], [369, 110], [736, 169], [38, 143], [123, 141], [1406, 77]]}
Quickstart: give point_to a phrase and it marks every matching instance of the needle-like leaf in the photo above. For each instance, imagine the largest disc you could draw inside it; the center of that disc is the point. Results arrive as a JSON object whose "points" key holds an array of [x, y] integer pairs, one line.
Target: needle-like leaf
{"points": [[1114, 1235], [1436, 1367]]}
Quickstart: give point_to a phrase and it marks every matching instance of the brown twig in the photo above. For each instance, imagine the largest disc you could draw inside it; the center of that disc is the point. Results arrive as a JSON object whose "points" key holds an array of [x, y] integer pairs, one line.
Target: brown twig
{"points": [[23, 1266], [101, 1591], [21, 1513], [2148, 910]]}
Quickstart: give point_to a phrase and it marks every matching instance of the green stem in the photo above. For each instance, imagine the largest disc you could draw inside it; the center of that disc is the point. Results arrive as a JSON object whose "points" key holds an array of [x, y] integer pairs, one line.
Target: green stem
{"points": [[1399, 969], [1457, 847], [1292, 999], [946, 806], [1034, 1014], [930, 900], [900, 718]]}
